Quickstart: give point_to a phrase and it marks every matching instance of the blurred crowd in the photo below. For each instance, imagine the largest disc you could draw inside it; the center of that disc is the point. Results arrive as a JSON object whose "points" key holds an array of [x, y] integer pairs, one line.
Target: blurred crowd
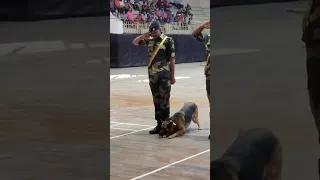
{"points": [[145, 11]]}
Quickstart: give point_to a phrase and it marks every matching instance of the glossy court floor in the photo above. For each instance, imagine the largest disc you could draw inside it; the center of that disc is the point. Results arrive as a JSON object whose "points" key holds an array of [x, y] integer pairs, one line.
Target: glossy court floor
{"points": [[137, 155]]}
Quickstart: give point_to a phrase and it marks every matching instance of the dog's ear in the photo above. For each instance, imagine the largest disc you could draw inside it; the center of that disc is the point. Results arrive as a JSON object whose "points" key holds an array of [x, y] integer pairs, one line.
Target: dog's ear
{"points": [[241, 132]]}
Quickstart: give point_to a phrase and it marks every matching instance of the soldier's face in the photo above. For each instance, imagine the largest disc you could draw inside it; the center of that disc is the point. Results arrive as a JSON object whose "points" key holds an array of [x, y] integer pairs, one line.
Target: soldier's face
{"points": [[155, 33]]}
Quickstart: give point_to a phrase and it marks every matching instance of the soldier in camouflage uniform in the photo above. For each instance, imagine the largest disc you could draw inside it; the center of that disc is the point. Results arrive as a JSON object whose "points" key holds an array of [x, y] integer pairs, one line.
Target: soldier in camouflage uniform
{"points": [[161, 71], [206, 40], [311, 38]]}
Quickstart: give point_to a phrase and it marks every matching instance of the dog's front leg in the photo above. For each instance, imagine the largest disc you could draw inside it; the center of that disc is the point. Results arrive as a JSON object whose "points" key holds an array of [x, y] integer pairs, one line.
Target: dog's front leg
{"points": [[177, 134]]}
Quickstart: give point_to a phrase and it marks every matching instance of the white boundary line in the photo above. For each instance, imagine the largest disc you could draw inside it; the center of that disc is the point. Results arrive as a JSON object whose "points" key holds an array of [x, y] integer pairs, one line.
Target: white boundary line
{"points": [[164, 167], [123, 129], [129, 124], [116, 125], [130, 133]]}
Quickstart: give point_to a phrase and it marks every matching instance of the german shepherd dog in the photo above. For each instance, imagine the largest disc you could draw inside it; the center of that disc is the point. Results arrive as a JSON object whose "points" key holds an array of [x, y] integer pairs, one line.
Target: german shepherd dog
{"points": [[177, 124], [256, 154]]}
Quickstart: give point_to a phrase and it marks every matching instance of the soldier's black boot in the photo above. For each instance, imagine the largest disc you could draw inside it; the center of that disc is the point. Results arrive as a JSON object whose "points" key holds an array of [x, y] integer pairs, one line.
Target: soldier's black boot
{"points": [[209, 136], [156, 130]]}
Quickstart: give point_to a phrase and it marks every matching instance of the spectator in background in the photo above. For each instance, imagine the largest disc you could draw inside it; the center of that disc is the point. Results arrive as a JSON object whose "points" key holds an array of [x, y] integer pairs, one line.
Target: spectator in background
{"points": [[160, 4], [189, 21], [144, 7], [139, 6], [123, 16], [130, 15], [165, 4], [144, 17], [158, 13], [161, 11], [149, 17], [176, 18], [117, 3], [134, 4], [181, 19], [177, 3], [148, 12], [116, 13], [126, 5], [188, 11], [171, 18], [152, 7], [139, 18], [165, 16], [112, 8]]}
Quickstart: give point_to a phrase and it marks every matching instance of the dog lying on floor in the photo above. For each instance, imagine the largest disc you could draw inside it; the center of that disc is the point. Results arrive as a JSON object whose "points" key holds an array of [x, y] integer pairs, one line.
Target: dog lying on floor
{"points": [[177, 124], [256, 154]]}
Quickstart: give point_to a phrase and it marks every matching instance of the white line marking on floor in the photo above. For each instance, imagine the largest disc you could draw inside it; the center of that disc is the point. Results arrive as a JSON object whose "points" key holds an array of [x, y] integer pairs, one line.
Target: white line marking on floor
{"points": [[147, 80], [130, 133], [131, 124], [174, 163], [116, 125], [123, 129], [125, 76]]}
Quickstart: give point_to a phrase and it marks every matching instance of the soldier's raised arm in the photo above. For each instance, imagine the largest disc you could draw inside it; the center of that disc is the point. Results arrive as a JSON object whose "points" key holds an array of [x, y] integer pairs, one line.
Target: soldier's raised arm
{"points": [[197, 33], [306, 16], [142, 40]]}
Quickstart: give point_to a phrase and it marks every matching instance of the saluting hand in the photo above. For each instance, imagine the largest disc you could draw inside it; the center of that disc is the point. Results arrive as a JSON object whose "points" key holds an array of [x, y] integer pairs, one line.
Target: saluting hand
{"points": [[206, 25], [145, 35]]}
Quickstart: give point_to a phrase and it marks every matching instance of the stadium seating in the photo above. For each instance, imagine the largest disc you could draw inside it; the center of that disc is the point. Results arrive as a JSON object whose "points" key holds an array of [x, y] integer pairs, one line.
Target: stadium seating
{"points": [[184, 22]]}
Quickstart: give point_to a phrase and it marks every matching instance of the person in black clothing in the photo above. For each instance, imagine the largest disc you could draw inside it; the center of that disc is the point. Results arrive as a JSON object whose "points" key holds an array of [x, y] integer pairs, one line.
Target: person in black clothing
{"points": [[311, 38]]}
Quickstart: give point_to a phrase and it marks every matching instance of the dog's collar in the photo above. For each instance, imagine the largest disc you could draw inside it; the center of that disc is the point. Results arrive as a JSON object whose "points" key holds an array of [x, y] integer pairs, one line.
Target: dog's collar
{"points": [[172, 122]]}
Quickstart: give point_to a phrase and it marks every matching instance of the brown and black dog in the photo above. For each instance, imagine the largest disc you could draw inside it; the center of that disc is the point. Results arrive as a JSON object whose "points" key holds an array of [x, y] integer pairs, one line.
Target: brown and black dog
{"points": [[256, 154], [177, 124]]}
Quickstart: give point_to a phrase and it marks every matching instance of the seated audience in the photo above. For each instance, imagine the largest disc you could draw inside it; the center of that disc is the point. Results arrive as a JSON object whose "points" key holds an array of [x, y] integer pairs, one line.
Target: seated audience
{"points": [[145, 11], [130, 15]]}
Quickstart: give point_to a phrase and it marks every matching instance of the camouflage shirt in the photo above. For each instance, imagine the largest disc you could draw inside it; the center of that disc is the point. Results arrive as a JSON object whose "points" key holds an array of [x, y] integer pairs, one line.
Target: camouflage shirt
{"points": [[161, 62], [206, 40]]}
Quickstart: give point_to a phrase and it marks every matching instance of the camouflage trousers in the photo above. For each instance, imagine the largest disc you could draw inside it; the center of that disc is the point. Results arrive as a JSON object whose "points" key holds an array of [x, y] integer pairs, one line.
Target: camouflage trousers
{"points": [[160, 89], [208, 87], [313, 78]]}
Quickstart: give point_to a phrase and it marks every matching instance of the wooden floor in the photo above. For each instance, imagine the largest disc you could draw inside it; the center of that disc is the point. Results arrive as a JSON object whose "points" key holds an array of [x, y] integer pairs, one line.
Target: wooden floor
{"points": [[137, 155]]}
